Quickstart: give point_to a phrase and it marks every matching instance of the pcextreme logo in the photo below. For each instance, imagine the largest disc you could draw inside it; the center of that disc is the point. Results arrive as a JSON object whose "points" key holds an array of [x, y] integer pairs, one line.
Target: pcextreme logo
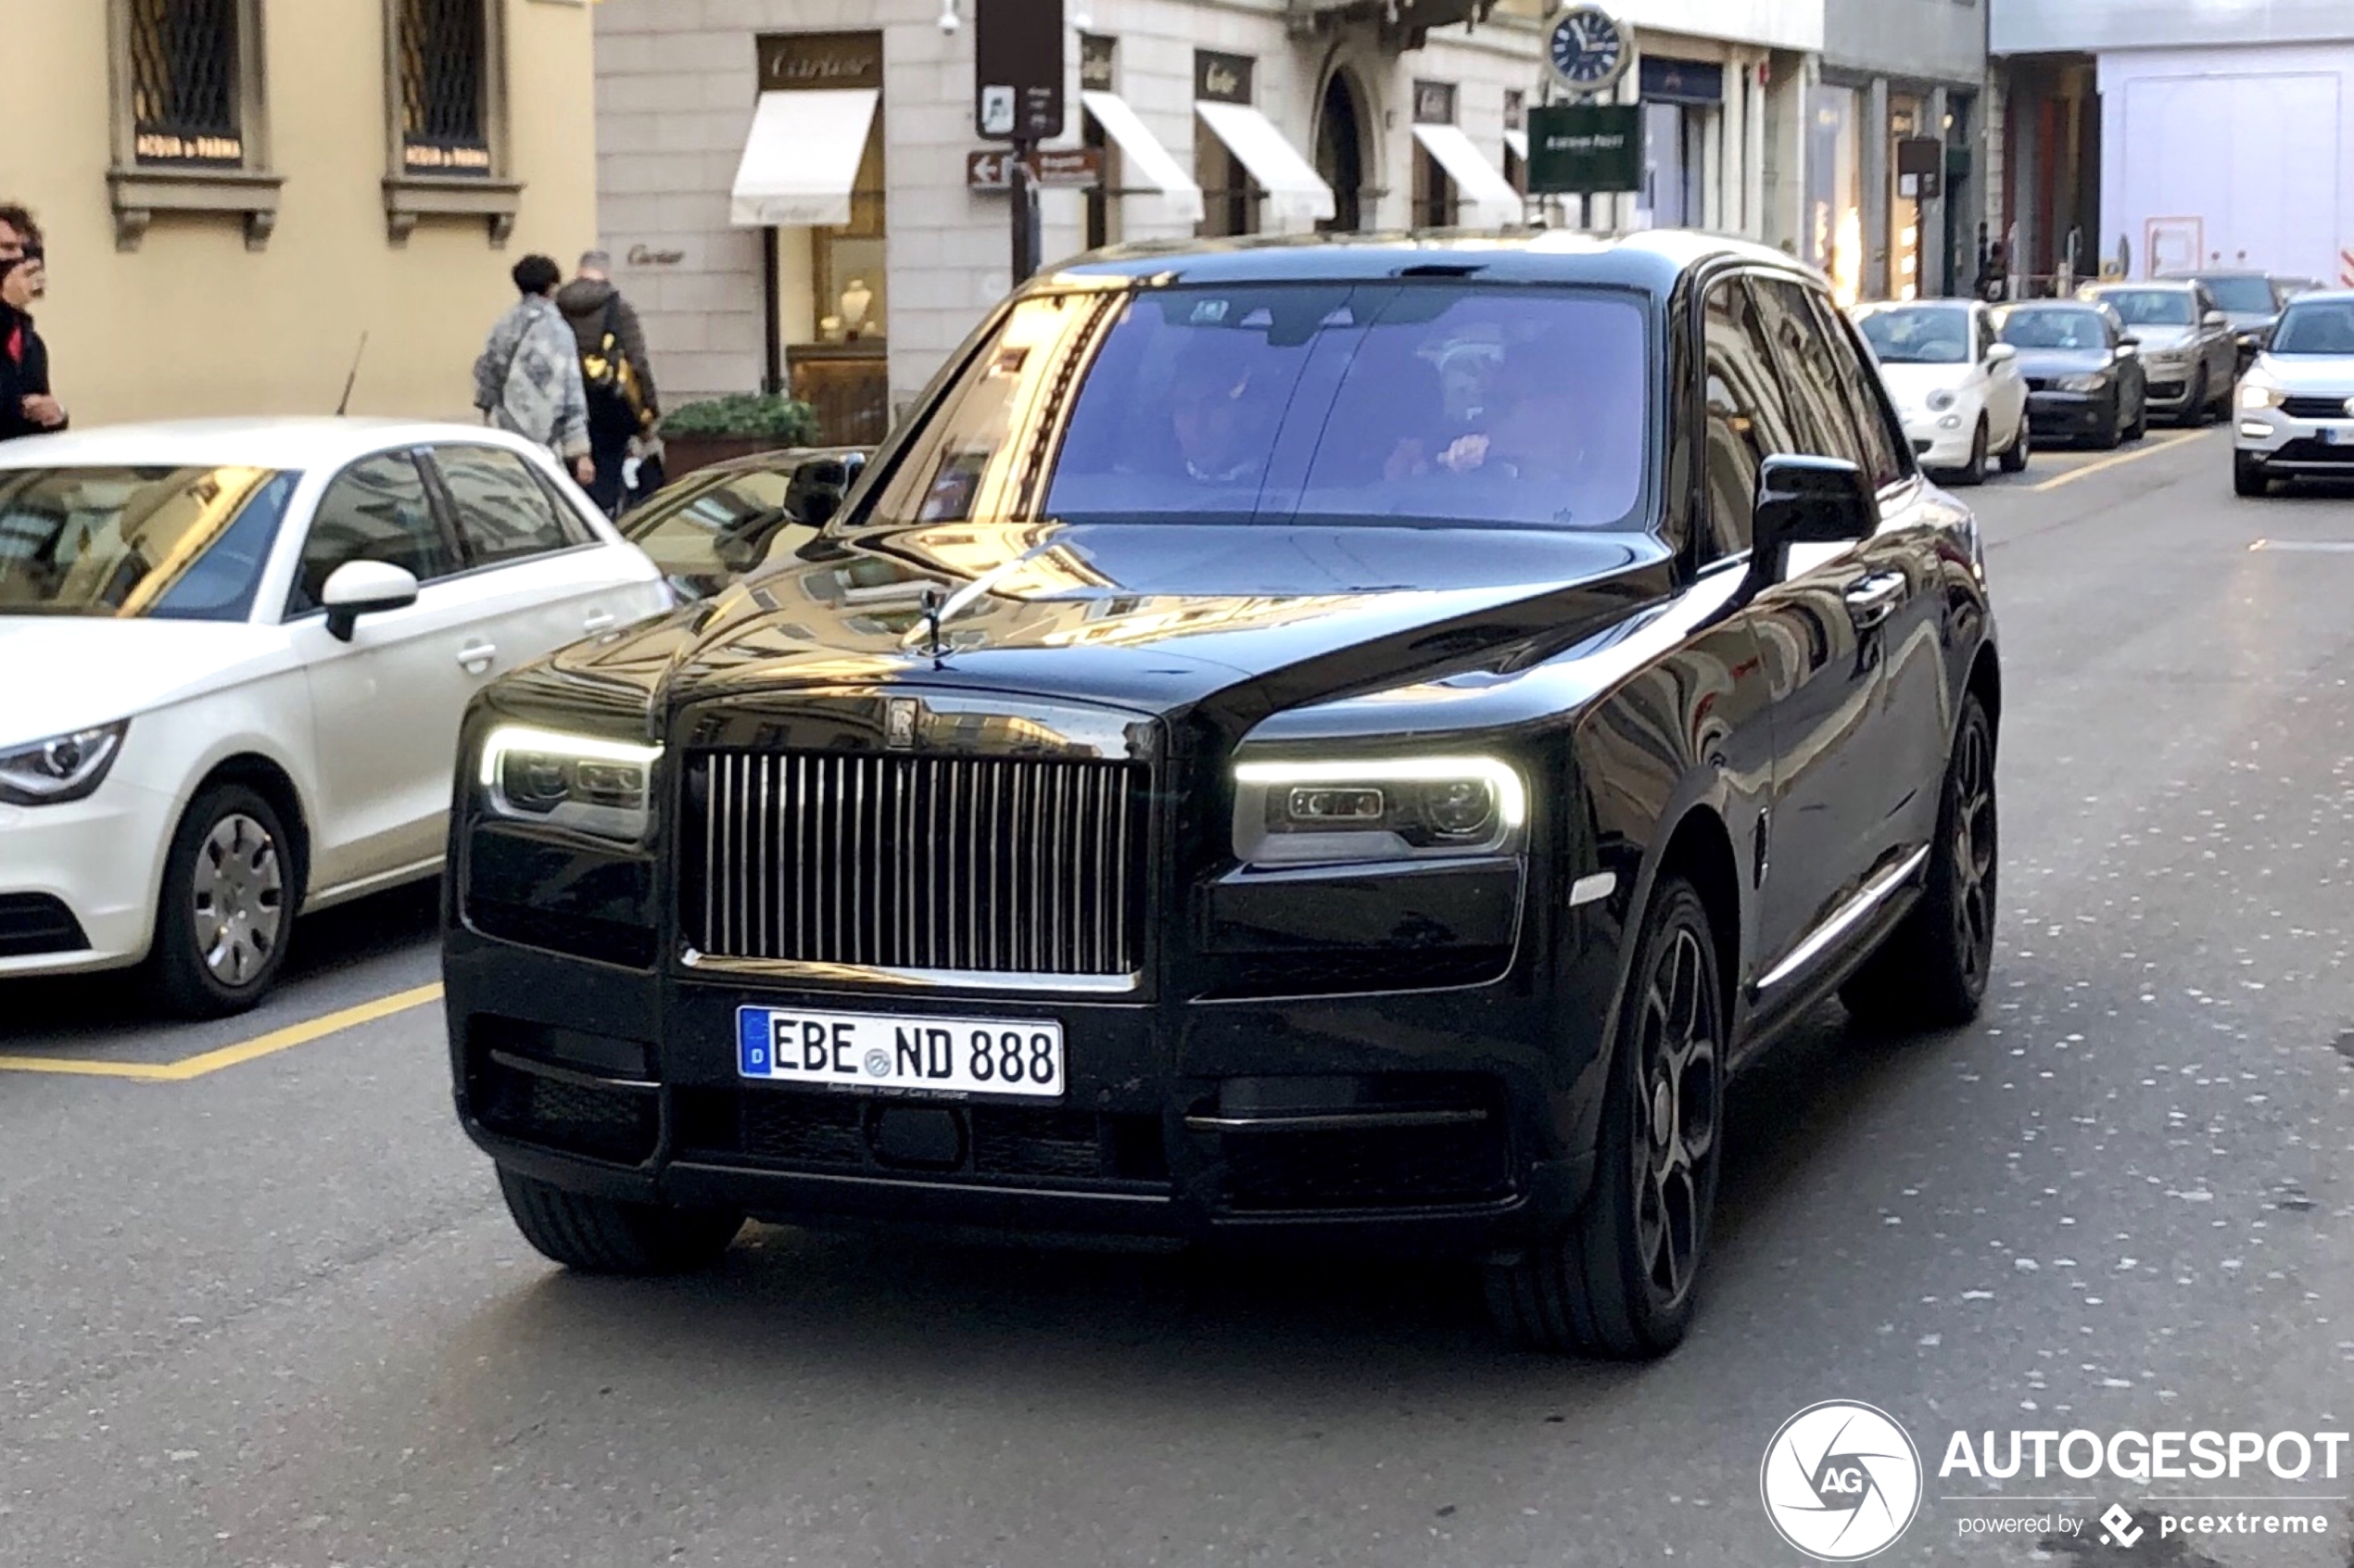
{"points": [[1841, 1481]]}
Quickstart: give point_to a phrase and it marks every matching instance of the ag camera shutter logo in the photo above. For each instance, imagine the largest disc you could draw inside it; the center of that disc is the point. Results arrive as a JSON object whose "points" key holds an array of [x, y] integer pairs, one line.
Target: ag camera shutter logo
{"points": [[1842, 1482]]}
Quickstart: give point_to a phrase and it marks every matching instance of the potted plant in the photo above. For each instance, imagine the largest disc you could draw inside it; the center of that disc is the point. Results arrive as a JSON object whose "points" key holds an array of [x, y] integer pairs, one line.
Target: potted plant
{"points": [[697, 435]]}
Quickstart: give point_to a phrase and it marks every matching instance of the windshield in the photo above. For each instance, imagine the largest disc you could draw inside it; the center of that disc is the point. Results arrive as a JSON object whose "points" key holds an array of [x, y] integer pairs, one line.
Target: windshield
{"points": [[2150, 307], [2323, 326], [706, 529], [183, 544], [2055, 329], [1419, 403], [1928, 334], [2242, 295]]}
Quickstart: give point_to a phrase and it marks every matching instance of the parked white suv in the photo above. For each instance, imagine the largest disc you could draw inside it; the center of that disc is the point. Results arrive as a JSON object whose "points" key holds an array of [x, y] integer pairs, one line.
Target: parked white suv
{"points": [[238, 654], [2296, 414]]}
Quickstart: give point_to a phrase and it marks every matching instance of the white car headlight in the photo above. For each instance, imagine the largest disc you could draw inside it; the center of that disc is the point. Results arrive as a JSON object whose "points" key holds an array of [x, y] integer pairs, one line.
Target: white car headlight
{"points": [[2093, 383], [1391, 808], [604, 788], [62, 769], [1941, 399], [2254, 395]]}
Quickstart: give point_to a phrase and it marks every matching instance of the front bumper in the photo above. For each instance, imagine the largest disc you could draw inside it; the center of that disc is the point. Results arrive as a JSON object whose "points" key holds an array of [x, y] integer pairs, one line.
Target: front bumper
{"points": [[1936, 444], [78, 883], [2170, 388], [2288, 446], [2072, 414]]}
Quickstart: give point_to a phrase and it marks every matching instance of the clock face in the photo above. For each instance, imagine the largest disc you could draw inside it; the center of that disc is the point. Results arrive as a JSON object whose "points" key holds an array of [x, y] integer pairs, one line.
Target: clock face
{"points": [[1587, 48]]}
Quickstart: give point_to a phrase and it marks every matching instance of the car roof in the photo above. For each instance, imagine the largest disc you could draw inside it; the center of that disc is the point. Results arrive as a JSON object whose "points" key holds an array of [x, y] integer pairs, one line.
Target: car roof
{"points": [[1651, 260], [2211, 272], [288, 443], [2070, 304], [2325, 295], [2172, 286]]}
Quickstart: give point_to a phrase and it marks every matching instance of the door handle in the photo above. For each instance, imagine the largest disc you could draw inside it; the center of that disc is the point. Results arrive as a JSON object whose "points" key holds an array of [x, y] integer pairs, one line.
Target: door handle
{"points": [[1873, 599], [597, 621], [476, 656]]}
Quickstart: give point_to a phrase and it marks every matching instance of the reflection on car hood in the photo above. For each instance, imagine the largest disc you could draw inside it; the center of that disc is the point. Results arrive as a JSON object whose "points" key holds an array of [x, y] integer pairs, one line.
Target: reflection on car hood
{"points": [[2044, 363], [99, 669], [1237, 620], [2315, 374], [2162, 339]]}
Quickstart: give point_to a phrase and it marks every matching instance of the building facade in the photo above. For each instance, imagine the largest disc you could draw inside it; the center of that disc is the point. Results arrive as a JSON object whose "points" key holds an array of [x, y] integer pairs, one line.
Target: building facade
{"points": [[233, 192], [790, 191], [2146, 136], [1895, 201]]}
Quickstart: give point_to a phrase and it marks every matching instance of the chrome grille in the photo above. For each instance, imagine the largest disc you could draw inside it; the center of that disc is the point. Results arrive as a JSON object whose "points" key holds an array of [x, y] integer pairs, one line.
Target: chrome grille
{"points": [[1008, 866]]}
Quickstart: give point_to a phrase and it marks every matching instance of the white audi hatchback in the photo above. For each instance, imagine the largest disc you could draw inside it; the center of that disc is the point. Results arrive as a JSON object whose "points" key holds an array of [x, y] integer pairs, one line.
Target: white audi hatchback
{"points": [[236, 658]]}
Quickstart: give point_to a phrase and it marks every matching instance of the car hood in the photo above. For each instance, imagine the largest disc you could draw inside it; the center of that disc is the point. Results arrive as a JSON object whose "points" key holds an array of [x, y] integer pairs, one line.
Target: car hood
{"points": [[2046, 363], [99, 669], [2164, 339], [1227, 623], [1911, 385], [2313, 374], [2251, 321]]}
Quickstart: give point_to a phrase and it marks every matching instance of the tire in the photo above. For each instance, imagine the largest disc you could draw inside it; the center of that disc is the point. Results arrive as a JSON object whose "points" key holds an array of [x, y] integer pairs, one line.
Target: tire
{"points": [[2109, 436], [2140, 425], [600, 1236], [1621, 1277], [227, 906], [1974, 473], [1931, 973], [2194, 410], [2022, 447], [2248, 477]]}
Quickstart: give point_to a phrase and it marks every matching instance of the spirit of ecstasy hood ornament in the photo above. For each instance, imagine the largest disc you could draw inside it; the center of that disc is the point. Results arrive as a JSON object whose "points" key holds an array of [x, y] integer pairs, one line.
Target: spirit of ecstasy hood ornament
{"points": [[935, 646]]}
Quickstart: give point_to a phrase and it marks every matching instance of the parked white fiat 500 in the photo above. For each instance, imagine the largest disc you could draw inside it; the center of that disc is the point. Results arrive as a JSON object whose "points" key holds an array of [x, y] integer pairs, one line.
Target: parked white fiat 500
{"points": [[237, 654], [1954, 382]]}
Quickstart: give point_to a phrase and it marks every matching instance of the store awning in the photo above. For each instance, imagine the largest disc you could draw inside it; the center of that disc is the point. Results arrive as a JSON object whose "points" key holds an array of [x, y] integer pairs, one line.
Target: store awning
{"points": [[1488, 199], [1180, 197], [801, 161], [1518, 142], [1295, 191]]}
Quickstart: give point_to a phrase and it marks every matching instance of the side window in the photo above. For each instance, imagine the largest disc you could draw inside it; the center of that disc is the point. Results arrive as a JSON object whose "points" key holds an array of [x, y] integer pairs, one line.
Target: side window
{"points": [[375, 510], [1883, 439], [1824, 426], [1985, 320], [1747, 421], [504, 513]]}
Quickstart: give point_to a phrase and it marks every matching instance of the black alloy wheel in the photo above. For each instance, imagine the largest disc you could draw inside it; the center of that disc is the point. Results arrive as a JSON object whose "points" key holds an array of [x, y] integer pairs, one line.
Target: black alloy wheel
{"points": [[2196, 410], [2022, 447], [602, 1235], [227, 905], [1932, 971], [1974, 473], [2110, 432], [2140, 425], [2248, 477], [1621, 1278]]}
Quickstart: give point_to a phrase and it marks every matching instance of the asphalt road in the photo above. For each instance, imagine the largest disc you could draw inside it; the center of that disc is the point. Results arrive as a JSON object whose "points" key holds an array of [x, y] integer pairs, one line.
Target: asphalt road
{"points": [[266, 1309]]}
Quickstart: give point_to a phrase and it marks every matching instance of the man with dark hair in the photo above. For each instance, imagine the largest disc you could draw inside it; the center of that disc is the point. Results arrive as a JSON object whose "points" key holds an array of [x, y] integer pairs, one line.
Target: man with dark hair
{"points": [[613, 367], [528, 378], [27, 406]]}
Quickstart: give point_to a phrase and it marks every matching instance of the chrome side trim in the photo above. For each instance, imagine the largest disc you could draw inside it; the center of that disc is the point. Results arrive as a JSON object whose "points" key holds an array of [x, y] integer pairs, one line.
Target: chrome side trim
{"points": [[795, 969], [1333, 1121], [1868, 897]]}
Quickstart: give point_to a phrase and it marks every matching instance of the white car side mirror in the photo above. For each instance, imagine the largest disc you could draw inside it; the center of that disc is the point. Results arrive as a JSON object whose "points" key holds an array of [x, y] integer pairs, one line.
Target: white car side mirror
{"points": [[2001, 354], [364, 587]]}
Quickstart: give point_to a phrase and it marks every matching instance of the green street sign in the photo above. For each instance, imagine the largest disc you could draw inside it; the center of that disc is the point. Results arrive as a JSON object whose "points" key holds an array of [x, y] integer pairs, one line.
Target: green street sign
{"points": [[1585, 149]]}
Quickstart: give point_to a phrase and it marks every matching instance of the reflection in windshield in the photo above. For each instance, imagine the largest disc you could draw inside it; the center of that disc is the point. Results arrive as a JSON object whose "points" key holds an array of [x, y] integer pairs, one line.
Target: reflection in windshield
{"points": [[170, 543], [1929, 334], [2150, 307], [2055, 329], [1418, 403], [2325, 326]]}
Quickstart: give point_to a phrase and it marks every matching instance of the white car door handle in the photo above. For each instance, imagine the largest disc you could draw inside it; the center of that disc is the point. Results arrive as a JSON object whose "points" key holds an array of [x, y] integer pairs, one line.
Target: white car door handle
{"points": [[597, 621], [476, 656]]}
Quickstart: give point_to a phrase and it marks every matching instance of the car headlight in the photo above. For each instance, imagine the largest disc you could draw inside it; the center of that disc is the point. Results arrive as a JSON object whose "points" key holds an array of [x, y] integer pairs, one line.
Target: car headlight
{"points": [[1941, 399], [62, 769], [2254, 395], [1397, 808], [598, 787], [2093, 383]]}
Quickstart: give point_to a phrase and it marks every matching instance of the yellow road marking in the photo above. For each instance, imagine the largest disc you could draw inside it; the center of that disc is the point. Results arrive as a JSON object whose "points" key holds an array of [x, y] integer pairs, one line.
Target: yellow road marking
{"points": [[2154, 444], [268, 1044]]}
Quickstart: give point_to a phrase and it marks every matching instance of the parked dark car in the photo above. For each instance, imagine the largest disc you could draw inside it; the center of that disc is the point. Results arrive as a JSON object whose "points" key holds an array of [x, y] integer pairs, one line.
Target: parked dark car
{"points": [[715, 525], [2250, 301], [1346, 742], [2188, 350], [2083, 369]]}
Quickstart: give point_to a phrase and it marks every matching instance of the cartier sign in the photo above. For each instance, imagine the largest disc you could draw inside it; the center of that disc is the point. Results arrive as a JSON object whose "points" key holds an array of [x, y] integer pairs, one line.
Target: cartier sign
{"points": [[790, 61], [1222, 78]]}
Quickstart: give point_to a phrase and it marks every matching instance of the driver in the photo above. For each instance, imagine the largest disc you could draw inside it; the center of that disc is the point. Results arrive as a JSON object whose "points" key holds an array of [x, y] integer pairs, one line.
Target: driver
{"points": [[1222, 412]]}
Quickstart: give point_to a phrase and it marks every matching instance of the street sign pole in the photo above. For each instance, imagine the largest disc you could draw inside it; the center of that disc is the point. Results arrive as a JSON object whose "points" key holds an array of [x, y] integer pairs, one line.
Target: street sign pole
{"points": [[1017, 97], [1025, 192]]}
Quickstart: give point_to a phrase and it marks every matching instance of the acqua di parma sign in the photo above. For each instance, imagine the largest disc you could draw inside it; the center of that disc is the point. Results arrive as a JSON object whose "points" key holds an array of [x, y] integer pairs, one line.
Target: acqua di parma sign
{"points": [[1585, 149]]}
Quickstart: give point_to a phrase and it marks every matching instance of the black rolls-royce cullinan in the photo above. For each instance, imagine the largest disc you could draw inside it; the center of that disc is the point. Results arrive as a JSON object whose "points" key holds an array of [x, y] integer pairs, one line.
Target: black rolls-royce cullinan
{"points": [[1346, 741]]}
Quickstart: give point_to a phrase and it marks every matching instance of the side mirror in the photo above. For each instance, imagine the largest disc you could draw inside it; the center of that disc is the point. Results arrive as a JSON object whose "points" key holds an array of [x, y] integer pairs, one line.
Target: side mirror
{"points": [[2127, 343], [364, 587], [1808, 500], [2215, 319], [2001, 354]]}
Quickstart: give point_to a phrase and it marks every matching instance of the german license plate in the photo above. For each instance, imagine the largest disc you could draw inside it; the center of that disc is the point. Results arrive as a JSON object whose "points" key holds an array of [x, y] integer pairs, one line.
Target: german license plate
{"points": [[907, 1054]]}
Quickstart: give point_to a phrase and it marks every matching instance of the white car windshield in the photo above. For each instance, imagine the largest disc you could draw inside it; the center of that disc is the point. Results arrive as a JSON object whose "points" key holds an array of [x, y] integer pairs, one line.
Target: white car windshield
{"points": [[173, 543], [2322, 326], [1923, 335], [2151, 307]]}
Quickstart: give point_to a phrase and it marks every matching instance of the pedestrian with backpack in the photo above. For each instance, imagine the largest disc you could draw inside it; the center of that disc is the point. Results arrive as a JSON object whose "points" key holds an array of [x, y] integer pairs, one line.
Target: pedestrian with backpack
{"points": [[528, 378], [613, 370]]}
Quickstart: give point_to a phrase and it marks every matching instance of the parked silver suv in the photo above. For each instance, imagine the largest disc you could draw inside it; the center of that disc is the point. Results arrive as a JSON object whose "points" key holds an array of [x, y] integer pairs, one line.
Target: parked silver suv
{"points": [[2187, 345]]}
